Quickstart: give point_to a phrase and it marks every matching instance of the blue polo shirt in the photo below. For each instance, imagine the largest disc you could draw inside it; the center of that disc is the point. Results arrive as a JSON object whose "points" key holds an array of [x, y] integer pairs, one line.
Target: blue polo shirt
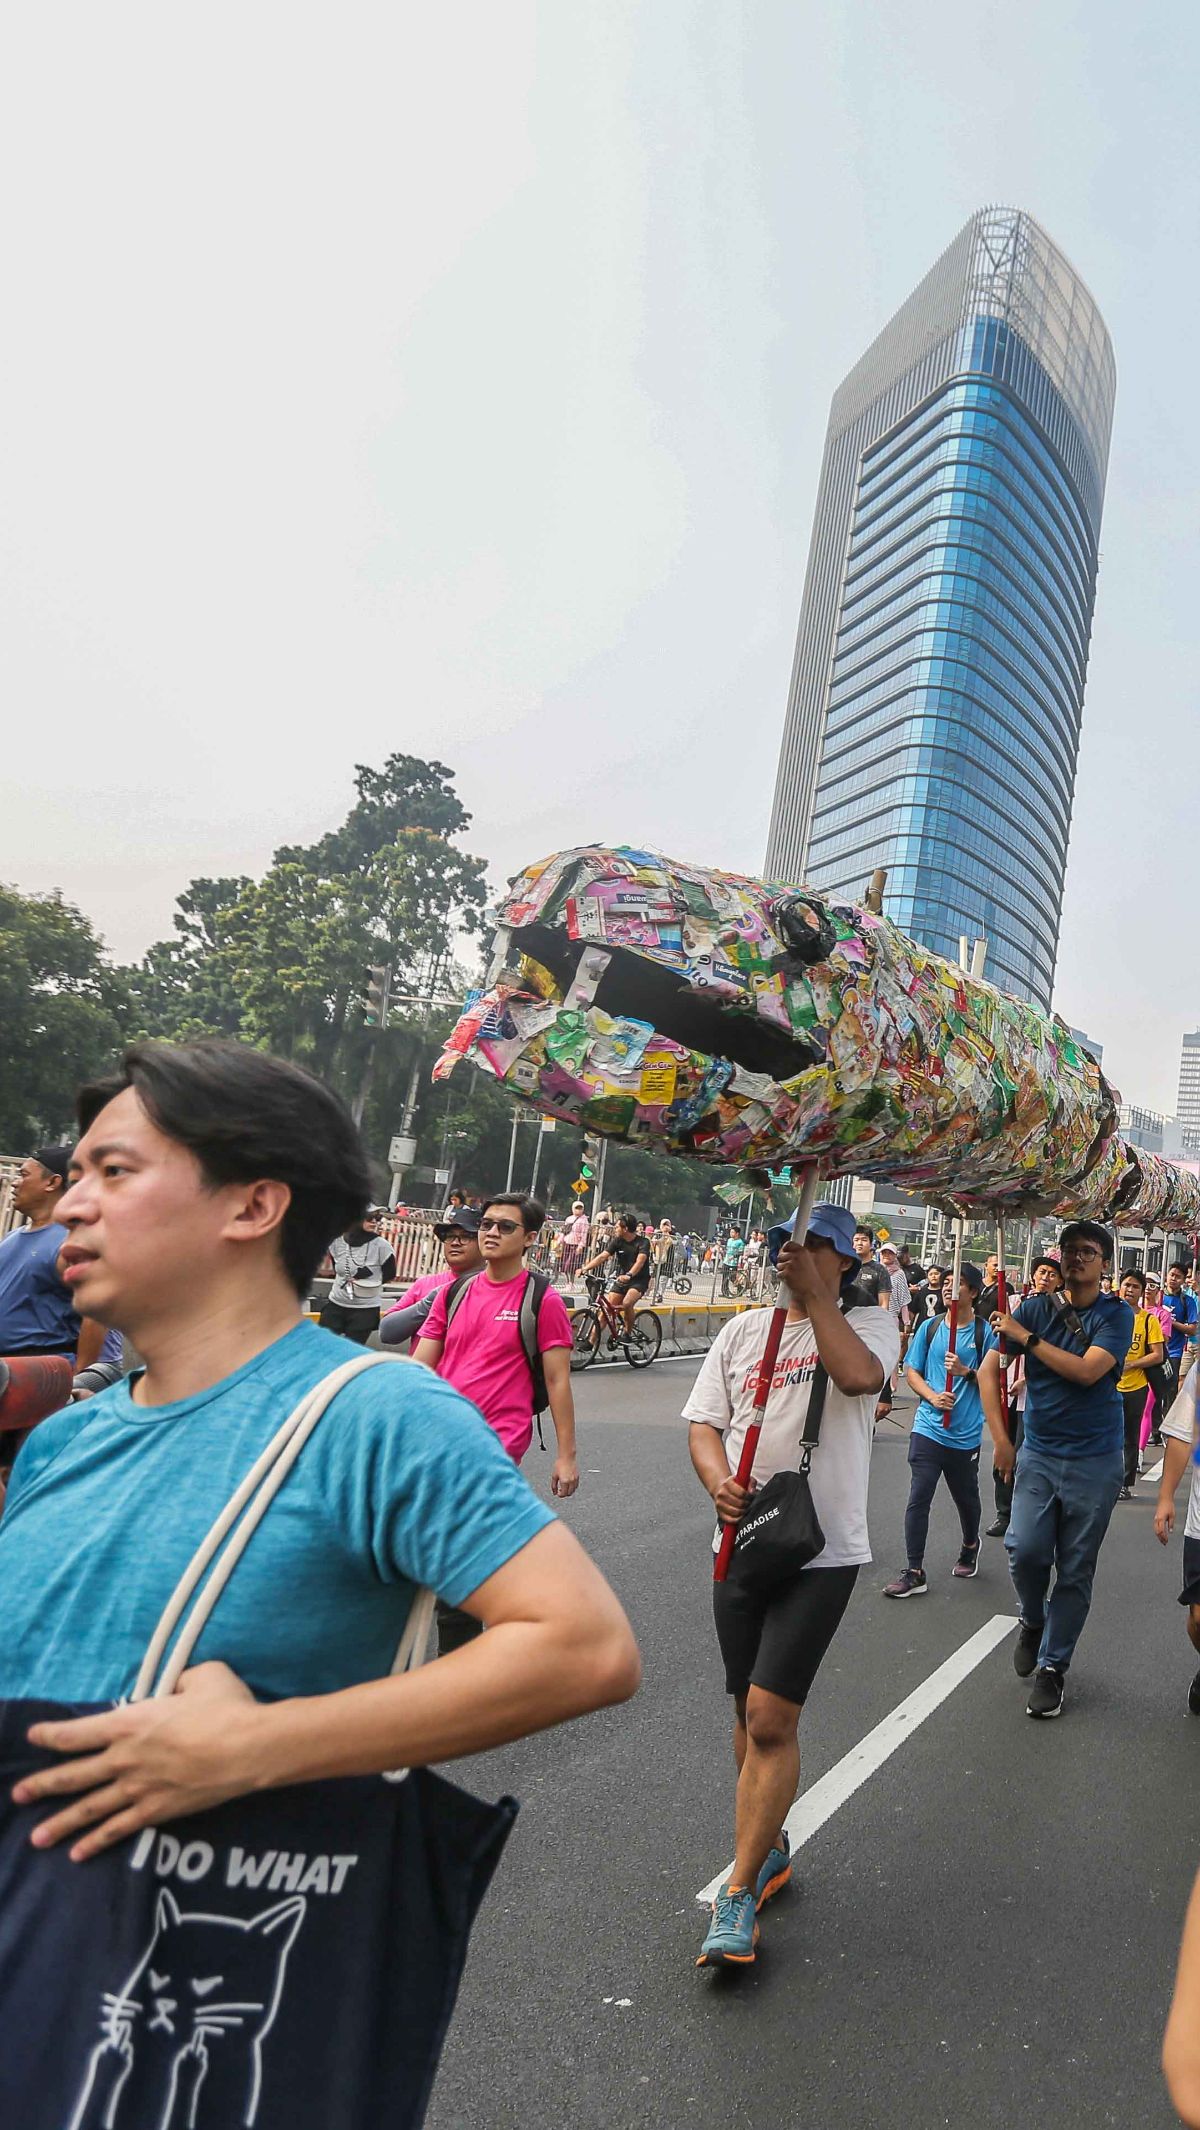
{"points": [[36, 1315], [1183, 1314], [1072, 1419], [927, 1355]]}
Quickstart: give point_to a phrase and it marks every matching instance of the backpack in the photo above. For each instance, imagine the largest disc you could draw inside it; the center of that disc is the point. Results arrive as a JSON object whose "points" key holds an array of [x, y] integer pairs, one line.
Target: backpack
{"points": [[932, 1321], [537, 1286]]}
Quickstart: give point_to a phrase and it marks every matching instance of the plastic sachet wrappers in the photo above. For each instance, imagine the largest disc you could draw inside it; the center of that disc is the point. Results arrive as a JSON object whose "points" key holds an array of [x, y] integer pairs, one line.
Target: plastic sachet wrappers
{"points": [[738, 1020]]}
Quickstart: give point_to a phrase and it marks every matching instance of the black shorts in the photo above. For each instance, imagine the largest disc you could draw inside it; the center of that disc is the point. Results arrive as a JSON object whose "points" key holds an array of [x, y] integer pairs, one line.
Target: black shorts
{"points": [[356, 1324], [778, 1639], [1190, 1594], [625, 1285]]}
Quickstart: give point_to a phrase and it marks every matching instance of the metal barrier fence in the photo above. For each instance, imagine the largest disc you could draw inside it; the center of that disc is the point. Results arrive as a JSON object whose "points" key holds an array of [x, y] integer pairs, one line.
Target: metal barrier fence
{"points": [[10, 1169]]}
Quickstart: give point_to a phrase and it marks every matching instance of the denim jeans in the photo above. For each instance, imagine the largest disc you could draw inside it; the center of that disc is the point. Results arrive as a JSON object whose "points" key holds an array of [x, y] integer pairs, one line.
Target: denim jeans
{"points": [[1060, 1512], [930, 1461]]}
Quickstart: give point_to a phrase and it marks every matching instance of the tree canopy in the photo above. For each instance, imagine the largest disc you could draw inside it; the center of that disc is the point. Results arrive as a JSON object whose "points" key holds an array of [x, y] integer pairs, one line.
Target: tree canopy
{"points": [[62, 1009]]}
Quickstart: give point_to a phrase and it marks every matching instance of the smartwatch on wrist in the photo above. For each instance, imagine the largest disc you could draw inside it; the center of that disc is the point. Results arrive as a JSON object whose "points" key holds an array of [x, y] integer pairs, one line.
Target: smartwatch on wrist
{"points": [[1034, 1339]]}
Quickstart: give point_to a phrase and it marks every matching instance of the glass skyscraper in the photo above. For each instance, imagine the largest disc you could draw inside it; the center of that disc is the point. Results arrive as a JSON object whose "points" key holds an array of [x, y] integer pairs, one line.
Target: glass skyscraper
{"points": [[936, 695]]}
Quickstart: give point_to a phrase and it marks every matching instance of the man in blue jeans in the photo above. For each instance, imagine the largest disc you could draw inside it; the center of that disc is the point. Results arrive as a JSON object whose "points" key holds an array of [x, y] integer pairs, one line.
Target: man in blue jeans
{"points": [[948, 1429], [1071, 1468]]}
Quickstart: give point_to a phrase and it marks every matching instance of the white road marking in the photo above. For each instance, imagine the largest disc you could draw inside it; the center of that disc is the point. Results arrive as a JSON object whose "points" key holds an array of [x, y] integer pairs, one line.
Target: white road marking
{"points": [[815, 1806], [1151, 1476]]}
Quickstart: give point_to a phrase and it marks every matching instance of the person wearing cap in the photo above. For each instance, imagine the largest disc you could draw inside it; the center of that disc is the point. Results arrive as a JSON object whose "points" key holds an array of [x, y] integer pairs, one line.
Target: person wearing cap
{"points": [[773, 1643], [363, 1263], [458, 1234], [37, 1315], [574, 1241], [948, 1430]]}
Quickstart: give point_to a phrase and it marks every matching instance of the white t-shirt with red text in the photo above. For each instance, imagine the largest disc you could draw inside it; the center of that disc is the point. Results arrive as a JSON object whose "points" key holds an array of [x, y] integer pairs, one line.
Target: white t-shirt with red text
{"points": [[483, 1356], [723, 1397]]}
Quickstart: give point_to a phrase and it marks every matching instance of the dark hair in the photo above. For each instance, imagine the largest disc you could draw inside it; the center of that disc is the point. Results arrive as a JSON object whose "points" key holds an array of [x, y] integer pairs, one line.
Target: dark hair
{"points": [[931, 1269], [1132, 1272], [1088, 1231], [1181, 1264], [1051, 1261], [246, 1115], [532, 1214], [862, 1229], [628, 1220]]}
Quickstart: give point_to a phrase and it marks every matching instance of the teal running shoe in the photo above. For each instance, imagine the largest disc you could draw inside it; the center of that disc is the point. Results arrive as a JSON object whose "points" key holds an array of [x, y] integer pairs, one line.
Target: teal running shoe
{"points": [[733, 1932], [775, 1873]]}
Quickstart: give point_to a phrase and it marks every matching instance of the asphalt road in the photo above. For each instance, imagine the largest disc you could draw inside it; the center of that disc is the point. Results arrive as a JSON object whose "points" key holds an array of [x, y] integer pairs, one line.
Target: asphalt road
{"points": [[984, 1933]]}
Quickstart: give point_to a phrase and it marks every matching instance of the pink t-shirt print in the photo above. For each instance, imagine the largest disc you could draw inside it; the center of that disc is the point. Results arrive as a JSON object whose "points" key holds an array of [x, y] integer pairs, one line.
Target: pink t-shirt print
{"points": [[483, 1356]]}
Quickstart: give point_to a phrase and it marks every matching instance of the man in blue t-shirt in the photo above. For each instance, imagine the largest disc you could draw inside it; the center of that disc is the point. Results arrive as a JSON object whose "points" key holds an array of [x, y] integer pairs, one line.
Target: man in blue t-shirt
{"points": [[37, 1314], [1071, 1467], [948, 1429], [1182, 1305], [205, 1189]]}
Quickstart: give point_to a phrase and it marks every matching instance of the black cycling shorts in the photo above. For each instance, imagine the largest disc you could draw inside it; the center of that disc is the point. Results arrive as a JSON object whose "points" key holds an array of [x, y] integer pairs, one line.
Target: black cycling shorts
{"points": [[778, 1639], [626, 1284]]}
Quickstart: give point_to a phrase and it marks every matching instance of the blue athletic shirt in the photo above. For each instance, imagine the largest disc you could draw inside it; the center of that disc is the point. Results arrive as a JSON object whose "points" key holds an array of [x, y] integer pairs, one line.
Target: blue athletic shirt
{"points": [[402, 1483], [1069, 1419], [927, 1355], [36, 1313], [1182, 1307]]}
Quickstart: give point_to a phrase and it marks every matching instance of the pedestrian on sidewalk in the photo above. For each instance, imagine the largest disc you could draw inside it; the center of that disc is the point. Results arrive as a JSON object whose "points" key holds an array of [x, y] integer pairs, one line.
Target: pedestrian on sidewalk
{"points": [[363, 1263], [1179, 1428], [948, 1429], [773, 1642], [504, 1340], [1071, 1466], [1045, 1277], [458, 1235], [1145, 1352]]}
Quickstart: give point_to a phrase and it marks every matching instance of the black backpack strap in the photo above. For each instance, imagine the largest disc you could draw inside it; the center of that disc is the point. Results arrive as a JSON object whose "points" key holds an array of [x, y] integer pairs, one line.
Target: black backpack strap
{"points": [[455, 1293], [537, 1286], [851, 1297]]}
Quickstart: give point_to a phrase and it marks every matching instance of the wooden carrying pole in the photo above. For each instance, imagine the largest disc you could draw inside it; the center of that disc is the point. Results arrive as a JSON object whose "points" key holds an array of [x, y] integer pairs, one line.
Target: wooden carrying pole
{"points": [[762, 1387], [1002, 1306], [955, 1277]]}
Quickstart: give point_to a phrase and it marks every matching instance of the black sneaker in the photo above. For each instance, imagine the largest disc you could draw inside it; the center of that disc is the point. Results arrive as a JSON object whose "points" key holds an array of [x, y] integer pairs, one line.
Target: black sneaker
{"points": [[1194, 1695], [909, 1583], [1025, 1651], [1126, 1494], [967, 1563], [1049, 1687], [998, 1528]]}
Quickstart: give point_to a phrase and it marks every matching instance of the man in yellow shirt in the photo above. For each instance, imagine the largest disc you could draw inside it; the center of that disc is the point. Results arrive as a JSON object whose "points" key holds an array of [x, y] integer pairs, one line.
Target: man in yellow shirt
{"points": [[1145, 1352]]}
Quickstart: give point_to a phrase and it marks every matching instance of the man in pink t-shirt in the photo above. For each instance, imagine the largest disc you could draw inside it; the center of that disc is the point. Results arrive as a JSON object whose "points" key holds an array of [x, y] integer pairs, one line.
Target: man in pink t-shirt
{"points": [[481, 1354], [458, 1234]]}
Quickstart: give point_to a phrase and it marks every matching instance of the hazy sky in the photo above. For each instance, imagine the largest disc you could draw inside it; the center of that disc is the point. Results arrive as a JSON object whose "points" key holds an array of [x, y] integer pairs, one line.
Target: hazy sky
{"points": [[454, 378]]}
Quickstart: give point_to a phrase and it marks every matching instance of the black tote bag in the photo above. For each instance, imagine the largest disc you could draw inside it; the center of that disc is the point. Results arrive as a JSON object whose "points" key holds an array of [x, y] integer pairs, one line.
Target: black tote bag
{"points": [[287, 1961]]}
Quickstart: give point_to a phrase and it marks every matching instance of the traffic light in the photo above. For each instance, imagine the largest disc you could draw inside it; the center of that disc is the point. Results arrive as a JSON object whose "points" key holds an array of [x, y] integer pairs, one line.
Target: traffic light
{"points": [[591, 1157], [379, 983]]}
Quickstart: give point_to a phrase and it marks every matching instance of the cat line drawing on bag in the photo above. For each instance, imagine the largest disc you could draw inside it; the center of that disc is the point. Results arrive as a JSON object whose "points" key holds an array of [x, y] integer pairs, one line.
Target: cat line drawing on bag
{"points": [[181, 2042]]}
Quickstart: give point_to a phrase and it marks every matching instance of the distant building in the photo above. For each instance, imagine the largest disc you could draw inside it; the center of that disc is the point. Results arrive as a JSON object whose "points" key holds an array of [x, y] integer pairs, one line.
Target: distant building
{"points": [[1187, 1106], [1144, 1128], [1088, 1043], [947, 610]]}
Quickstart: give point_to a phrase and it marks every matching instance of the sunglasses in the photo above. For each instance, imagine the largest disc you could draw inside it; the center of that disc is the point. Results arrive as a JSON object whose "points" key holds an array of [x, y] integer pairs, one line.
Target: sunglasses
{"points": [[499, 1227]]}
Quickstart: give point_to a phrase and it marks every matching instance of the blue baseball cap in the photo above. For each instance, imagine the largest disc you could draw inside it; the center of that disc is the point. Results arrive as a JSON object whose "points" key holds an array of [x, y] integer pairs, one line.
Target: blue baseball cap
{"points": [[836, 1224]]}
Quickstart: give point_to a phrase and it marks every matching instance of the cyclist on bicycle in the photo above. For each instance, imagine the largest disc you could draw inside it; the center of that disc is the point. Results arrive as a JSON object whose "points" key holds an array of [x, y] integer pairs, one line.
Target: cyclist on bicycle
{"points": [[629, 1252]]}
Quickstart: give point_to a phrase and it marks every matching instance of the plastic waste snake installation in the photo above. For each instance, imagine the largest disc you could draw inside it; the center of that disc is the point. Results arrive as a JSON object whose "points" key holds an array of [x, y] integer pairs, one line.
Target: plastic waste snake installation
{"points": [[736, 1021]]}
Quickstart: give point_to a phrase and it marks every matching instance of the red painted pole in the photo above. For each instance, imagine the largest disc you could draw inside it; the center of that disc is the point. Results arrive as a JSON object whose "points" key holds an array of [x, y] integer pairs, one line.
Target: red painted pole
{"points": [[763, 1386], [955, 1279]]}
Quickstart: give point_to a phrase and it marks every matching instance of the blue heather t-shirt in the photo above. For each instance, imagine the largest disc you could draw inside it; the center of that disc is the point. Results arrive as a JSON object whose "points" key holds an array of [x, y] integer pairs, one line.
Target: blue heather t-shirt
{"points": [[1070, 1419], [1183, 1317], [927, 1355], [402, 1483], [36, 1313]]}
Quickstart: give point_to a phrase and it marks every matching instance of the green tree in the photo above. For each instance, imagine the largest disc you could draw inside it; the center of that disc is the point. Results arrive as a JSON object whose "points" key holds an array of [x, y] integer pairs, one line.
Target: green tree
{"points": [[283, 961], [62, 1009]]}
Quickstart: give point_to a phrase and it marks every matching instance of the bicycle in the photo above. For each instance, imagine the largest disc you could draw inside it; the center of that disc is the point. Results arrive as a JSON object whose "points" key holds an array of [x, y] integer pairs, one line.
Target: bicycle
{"points": [[588, 1327]]}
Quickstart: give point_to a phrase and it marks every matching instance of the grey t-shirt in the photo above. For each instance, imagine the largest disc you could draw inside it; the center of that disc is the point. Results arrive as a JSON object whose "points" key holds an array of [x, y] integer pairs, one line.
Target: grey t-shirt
{"points": [[359, 1271]]}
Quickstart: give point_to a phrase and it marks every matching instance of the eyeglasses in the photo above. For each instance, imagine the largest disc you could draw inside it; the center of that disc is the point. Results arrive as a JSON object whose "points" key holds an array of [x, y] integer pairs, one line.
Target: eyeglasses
{"points": [[451, 1229], [1075, 1249], [499, 1227]]}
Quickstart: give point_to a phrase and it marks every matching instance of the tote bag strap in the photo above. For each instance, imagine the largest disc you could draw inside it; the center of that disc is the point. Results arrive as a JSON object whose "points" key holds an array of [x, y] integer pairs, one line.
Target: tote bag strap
{"points": [[250, 1503]]}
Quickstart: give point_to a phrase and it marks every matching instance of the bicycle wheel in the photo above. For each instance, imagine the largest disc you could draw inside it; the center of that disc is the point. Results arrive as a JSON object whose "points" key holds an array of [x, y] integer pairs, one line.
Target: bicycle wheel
{"points": [[585, 1339], [641, 1347], [683, 1286]]}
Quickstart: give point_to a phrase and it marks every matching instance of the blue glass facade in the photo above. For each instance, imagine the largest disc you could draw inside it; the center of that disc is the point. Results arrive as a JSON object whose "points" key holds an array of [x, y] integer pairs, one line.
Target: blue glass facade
{"points": [[958, 644]]}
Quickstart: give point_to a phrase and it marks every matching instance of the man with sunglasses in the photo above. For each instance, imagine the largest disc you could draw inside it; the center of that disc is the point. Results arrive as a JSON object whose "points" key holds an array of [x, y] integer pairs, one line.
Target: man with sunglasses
{"points": [[458, 1234], [1071, 1468]]}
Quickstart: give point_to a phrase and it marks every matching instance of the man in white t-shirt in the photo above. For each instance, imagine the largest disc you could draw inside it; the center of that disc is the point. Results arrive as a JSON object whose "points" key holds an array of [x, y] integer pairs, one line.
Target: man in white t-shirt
{"points": [[773, 1643], [1179, 1434]]}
